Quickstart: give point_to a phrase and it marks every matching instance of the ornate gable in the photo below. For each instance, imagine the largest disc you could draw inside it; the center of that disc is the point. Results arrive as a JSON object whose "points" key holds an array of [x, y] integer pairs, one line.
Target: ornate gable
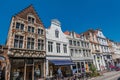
{"points": [[29, 10]]}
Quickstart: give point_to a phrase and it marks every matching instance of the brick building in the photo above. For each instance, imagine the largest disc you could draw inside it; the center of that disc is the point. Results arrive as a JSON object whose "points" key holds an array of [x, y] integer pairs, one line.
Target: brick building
{"points": [[26, 43]]}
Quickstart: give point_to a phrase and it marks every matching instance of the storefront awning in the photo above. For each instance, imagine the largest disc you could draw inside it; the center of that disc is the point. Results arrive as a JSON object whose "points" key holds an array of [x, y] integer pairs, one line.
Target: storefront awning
{"points": [[62, 62]]}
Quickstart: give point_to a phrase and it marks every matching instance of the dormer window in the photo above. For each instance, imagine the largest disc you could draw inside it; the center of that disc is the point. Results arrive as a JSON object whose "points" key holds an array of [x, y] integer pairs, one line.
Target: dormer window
{"points": [[31, 19], [56, 33]]}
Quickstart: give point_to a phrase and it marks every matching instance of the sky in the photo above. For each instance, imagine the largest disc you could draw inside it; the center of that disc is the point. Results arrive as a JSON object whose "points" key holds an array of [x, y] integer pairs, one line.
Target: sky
{"points": [[74, 15]]}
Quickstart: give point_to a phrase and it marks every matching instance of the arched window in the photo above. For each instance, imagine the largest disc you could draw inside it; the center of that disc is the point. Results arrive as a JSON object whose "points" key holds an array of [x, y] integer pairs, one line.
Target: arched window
{"points": [[56, 33]]}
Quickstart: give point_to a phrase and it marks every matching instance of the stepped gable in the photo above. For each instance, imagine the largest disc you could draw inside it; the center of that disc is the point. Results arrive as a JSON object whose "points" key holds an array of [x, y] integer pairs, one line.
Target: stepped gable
{"points": [[30, 9]]}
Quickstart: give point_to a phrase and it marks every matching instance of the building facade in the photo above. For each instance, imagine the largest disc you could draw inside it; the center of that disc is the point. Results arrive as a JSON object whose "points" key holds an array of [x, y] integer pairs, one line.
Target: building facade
{"points": [[95, 49], [101, 49], [80, 51], [105, 49], [116, 53], [4, 63], [26, 46], [57, 52]]}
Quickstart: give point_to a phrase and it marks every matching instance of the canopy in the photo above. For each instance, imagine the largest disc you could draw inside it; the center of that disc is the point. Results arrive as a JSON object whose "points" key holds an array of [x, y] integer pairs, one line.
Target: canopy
{"points": [[62, 62]]}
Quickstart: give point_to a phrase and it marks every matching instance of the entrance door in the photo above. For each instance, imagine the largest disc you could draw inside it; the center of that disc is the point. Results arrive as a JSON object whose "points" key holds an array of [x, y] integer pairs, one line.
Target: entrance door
{"points": [[29, 72]]}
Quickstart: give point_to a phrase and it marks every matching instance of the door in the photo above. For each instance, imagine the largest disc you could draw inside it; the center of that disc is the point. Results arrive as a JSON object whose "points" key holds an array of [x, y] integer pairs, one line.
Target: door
{"points": [[29, 72]]}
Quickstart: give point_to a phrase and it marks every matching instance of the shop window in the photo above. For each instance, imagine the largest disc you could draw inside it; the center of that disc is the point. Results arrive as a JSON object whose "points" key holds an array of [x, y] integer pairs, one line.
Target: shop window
{"points": [[29, 61], [37, 73], [17, 70]]}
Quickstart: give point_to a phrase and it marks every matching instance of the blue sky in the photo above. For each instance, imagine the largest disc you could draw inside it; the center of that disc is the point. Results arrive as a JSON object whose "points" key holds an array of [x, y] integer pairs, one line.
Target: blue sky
{"points": [[74, 15]]}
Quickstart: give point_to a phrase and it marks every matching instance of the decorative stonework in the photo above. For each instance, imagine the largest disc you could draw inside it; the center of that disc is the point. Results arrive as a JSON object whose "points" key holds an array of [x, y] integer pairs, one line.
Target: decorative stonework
{"points": [[27, 53]]}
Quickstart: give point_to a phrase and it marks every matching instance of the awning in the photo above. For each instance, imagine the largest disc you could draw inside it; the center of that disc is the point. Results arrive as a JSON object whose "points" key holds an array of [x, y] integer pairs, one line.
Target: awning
{"points": [[62, 62]]}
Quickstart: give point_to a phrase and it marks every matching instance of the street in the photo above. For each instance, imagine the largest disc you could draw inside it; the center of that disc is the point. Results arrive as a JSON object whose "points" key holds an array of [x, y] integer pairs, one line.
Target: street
{"points": [[114, 75]]}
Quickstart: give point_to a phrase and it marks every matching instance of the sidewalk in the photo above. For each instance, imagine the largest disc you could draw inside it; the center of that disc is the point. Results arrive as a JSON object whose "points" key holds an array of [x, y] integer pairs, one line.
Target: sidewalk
{"points": [[106, 75]]}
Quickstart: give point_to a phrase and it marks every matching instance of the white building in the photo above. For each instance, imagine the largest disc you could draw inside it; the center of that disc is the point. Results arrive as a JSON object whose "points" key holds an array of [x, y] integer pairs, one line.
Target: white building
{"points": [[57, 52], [116, 53], [95, 49], [104, 48], [80, 51]]}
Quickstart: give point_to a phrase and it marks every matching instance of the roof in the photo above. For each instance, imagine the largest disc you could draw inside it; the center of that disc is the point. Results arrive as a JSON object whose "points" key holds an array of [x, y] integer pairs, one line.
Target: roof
{"points": [[23, 14], [68, 33]]}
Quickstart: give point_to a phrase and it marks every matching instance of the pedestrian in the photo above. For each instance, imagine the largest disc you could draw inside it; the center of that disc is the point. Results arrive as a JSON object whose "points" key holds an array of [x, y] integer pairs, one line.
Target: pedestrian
{"points": [[59, 73]]}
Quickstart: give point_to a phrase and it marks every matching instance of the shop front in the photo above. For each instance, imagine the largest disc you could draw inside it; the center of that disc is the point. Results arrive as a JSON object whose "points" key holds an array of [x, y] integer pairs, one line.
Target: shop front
{"points": [[27, 68], [82, 66], [65, 66]]}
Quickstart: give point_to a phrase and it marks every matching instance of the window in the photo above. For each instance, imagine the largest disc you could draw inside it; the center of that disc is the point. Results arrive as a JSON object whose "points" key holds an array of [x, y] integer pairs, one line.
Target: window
{"points": [[76, 51], [40, 44], [30, 43], [30, 29], [70, 42], [58, 47], [65, 48], [84, 54], [71, 51], [31, 19], [50, 46], [18, 41], [74, 43], [78, 43], [79, 51], [82, 44], [56, 33], [87, 54], [19, 26], [40, 31], [95, 47], [87, 45]]}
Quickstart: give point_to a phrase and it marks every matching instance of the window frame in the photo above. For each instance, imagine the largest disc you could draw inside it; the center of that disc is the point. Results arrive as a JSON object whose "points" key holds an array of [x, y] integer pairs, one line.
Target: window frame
{"points": [[58, 47], [56, 33], [19, 39], [20, 27], [65, 48]]}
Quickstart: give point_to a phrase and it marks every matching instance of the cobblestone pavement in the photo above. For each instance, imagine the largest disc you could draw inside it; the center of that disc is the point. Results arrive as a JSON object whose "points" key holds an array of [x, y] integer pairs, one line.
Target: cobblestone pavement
{"points": [[113, 75]]}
